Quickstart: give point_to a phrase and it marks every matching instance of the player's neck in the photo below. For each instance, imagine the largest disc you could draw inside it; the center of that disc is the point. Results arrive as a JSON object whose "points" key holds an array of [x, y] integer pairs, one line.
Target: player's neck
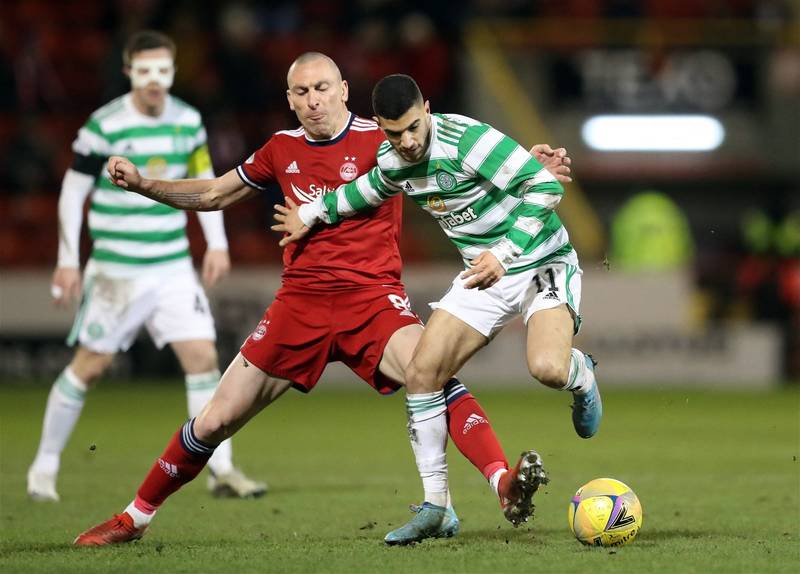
{"points": [[143, 108]]}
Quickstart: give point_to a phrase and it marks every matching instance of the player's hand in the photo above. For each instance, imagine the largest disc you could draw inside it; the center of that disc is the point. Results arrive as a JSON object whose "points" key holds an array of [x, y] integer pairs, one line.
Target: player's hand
{"points": [[556, 161], [123, 173], [290, 223], [65, 286], [485, 272], [216, 265]]}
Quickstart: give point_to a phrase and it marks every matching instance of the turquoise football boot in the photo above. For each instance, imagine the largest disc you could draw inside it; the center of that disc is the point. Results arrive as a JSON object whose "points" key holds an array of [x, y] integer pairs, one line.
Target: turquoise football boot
{"points": [[587, 410], [431, 521]]}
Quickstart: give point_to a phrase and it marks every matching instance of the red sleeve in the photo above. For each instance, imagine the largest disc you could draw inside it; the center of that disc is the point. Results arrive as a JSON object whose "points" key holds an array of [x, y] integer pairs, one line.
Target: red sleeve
{"points": [[256, 171]]}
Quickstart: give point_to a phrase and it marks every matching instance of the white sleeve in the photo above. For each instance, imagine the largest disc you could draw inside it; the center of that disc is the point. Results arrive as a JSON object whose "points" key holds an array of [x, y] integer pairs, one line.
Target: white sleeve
{"points": [[74, 190], [312, 213], [213, 229]]}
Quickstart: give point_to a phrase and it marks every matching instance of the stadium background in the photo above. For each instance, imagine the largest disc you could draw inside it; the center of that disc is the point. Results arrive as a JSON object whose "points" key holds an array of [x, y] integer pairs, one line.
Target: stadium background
{"points": [[702, 287], [691, 293]]}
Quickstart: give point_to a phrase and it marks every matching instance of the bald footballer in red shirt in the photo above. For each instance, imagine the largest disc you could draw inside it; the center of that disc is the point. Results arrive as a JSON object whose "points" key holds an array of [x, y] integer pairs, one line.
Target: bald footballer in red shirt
{"points": [[341, 299]]}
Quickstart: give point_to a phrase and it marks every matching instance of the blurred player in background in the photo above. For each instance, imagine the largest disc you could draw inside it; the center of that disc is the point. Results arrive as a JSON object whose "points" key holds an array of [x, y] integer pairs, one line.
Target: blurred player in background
{"points": [[140, 271], [341, 298], [497, 205]]}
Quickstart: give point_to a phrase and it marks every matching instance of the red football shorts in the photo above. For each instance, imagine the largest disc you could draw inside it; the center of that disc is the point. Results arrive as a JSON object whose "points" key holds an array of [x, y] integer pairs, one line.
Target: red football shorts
{"points": [[303, 331]]}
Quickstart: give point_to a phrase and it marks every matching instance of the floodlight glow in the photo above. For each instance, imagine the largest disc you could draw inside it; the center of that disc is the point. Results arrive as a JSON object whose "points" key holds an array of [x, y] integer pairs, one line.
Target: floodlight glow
{"points": [[653, 133]]}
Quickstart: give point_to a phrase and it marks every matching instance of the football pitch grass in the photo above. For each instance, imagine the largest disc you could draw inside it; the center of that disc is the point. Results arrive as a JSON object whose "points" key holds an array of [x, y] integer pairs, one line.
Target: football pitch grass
{"points": [[717, 475]]}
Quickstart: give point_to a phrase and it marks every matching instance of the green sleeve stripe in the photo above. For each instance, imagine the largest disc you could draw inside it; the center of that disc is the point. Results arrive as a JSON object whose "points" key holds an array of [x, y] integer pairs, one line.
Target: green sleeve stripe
{"points": [[143, 236], [496, 158], [522, 239], [469, 139], [153, 131], [111, 256], [329, 200], [529, 210], [548, 187], [94, 126], [354, 197], [158, 209], [377, 185]]}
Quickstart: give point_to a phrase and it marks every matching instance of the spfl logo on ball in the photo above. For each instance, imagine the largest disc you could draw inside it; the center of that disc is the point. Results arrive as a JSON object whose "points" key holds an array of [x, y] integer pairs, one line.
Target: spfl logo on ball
{"points": [[349, 170], [260, 331]]}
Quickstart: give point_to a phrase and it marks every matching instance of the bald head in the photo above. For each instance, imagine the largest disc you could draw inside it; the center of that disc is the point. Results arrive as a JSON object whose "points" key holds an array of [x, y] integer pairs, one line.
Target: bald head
{"points": [[318, 95], [309, 58]]}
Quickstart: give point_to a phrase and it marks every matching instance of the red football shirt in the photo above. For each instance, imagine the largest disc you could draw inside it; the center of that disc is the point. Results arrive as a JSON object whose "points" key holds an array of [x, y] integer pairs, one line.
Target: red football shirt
{"points": [[359, 251]]}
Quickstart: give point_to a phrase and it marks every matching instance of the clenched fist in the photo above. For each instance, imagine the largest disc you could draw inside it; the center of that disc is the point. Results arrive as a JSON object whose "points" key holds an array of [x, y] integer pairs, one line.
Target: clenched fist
{"points": [[124, 174]]}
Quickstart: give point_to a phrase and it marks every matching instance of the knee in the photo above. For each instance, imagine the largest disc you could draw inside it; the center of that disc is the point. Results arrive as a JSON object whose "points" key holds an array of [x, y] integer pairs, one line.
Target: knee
{"points": [[421, 379], [548, 371], [89, 367]]}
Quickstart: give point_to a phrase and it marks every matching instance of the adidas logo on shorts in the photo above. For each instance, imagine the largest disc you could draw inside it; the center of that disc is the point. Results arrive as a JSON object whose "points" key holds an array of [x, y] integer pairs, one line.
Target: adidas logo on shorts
{"points": [[551, 295]]}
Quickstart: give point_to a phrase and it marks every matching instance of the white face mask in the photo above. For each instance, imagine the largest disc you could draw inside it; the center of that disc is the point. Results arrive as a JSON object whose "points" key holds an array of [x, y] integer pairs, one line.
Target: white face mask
{"points": [[147, 70]]}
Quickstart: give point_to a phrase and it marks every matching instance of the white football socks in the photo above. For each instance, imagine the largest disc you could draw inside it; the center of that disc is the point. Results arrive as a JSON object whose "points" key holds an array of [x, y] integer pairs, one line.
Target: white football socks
{"points": [[140, 519], [427, 429], [494, 480], [200, 388], [581, 378], [64, 405]]}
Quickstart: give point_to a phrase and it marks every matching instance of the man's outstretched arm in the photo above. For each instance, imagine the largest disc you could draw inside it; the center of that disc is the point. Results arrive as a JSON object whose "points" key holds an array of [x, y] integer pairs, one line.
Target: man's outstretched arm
{"points": [[362, 194], [189, 194]]}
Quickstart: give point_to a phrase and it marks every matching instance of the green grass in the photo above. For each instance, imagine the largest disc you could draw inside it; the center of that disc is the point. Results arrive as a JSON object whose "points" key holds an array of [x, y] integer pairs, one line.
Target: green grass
{"points": [[717, 474]]}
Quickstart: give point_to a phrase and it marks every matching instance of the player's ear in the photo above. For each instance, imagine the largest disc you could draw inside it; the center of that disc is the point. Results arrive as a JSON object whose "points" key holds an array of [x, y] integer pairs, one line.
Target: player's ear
{"points": [[427, 106], [289, 99], [127, 71], [345, 90]]}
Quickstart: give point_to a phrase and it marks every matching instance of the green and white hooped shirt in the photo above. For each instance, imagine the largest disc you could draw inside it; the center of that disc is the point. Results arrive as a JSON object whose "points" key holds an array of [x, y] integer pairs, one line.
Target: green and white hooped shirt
{"points": [[133, 234], [485, 190]]}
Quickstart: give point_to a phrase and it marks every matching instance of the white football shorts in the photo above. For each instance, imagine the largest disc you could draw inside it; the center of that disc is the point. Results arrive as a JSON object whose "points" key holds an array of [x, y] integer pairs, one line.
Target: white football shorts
{"points": [[520, 294], [173, 307]]}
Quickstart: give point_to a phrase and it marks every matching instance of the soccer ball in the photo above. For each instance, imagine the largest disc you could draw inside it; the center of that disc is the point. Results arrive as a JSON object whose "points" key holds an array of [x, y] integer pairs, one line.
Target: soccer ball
{"points": [[605, 512]]}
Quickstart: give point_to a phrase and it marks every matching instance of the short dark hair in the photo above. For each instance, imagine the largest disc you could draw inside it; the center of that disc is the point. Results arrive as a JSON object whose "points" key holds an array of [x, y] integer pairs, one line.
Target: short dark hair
{"points": [[394, 95], [146, 40]]}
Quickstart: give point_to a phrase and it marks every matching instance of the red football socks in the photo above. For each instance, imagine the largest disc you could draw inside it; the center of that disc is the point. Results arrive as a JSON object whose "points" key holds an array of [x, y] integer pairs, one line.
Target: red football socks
{"points": [[471, 430], [182, 460]]}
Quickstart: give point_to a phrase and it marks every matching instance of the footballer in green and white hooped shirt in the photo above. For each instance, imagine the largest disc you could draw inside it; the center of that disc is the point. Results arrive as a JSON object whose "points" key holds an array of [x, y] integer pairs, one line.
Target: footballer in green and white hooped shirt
{"points": [[497, 205], [139, 272]]}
